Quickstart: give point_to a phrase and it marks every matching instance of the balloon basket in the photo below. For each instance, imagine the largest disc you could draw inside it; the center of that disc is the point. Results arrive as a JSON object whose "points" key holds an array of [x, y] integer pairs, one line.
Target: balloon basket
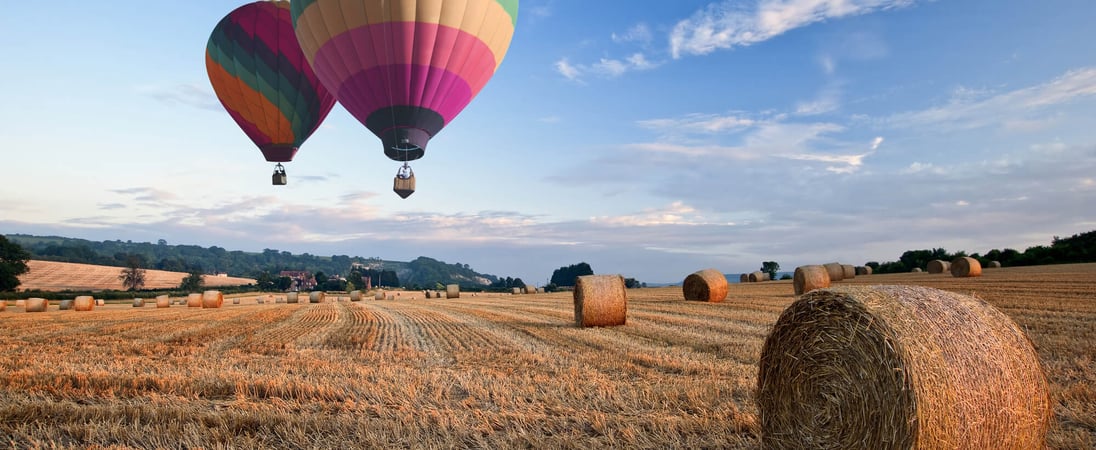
{"points": [[404, 187]]}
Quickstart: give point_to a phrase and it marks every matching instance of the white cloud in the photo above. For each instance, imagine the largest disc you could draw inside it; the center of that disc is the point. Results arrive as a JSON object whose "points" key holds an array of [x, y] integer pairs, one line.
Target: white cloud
{"points": [[198, 96], [639, 32], [568, 71], [677, 213], [875, 143], [606, 67], [729, 24], [702, 123], [829, 65]]}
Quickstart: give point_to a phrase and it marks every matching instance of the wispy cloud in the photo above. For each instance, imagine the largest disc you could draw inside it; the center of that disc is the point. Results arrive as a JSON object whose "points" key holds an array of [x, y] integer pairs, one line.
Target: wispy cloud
{"points": [[605, 67], [731, 24], [197, 96], [700, 123], [639, 32]]}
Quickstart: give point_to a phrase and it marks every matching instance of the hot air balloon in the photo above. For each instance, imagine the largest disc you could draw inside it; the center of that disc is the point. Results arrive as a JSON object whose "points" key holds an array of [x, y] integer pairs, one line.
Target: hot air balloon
{"points": [[262, 78], [404, 68]]}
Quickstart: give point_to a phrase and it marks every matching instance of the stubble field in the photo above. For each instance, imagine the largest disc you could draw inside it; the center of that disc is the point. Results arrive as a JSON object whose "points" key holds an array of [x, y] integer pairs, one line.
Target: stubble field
{"points": [[59, 276], [482, 372]]}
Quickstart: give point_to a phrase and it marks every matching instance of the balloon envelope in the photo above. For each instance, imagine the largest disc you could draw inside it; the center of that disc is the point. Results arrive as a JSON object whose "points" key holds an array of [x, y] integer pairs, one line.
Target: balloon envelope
{"points": [[262, 78], [405, 68]]}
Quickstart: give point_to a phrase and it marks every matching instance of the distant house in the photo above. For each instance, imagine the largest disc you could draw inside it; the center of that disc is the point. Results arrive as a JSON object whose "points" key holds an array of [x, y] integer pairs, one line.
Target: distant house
{"points": [[222, 274], [302, 280]]}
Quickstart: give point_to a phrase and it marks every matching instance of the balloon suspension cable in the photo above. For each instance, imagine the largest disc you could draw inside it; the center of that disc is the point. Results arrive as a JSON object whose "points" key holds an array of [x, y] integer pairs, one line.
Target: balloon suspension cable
{"points": [[279, 168]]}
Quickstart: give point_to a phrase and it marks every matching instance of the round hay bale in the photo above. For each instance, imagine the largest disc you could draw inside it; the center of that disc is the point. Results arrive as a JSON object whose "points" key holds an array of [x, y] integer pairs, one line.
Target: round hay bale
{"points": [[993, 265], [937, 266], [600, 301], [391, 297], [515, 291], [379, 295], [863, 270], [291, 297], [744, 278], [835, 271], [848, 271], [37, 304], [100, 302], [316, 296], [530, 289], [21, 303], [355, 296], [83, 303], [757, 277], [64, 305], [3, 305], [708, 285], [452, 291], [194, 300], [429, 294], [163, 301], [965, 267], [236, 301], [540, 290], [138, 303], [809, 278], [916, 270], [212, 299], [899, 367]]}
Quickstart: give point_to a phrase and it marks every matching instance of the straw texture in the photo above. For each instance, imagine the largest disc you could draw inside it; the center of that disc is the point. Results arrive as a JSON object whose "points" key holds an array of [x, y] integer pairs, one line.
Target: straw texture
{"points": [[163, 301], [937, 266], [835, 270], [848, 271], [756, 277], [194, 300], [708, 285], [966, 267], [600, 301], [83, 303], [899, 367], [809, 278]]}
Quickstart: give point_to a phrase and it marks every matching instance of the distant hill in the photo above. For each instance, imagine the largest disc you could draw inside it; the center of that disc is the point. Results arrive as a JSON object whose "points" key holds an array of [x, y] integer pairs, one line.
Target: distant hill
{"points": [[60, 276], [423, 271]]}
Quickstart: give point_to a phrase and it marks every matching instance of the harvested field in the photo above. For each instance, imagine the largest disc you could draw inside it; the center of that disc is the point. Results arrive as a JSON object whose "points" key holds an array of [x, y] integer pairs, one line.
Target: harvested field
{"points": [[491, 371], [60, 276]]}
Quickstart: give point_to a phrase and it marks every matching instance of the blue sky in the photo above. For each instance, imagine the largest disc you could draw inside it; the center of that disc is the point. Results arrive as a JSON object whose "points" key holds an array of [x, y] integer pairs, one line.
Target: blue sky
{"points": [[646, 138]]}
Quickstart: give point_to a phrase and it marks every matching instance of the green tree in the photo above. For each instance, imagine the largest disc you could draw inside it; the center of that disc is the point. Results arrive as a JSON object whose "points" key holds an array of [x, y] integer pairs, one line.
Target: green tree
{"points": [[771, 268], [284, 283], [13, 262], [565, 276], [193, 281], [631, 283], [133, 275], [265, 281]]}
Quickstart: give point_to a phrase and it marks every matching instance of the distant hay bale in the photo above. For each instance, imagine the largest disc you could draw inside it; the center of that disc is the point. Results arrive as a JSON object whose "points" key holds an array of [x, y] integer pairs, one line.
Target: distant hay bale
{"points": [[316, 297], [540, 290], [21, 303], [83, 303], [848, 271], [600, 301], [138, 303], [429, 294], [965, 267], [3, 305], [452, 291], [291, 297], [212, 299], [37, 304], [379, 295], [194, 300], [899, 367], [835, 271], [756, 277], [744, 278], [530, 289], [391, 297], [863, 270], [809, 278], [163, 301], [355, 296], [937, 266], [993, 265], [100, 302], [515, 291], [708, 285], [236, 301], [64, 305], [916, 270]]}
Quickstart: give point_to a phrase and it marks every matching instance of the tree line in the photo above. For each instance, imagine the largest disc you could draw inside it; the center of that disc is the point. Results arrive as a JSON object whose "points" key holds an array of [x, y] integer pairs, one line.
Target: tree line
{"points": [[1079, 248]]}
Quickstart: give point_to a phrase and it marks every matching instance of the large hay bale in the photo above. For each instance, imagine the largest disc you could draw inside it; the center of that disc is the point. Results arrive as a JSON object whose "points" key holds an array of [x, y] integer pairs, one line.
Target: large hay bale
{"points": [[899, 367], [452, 291], [379, 295], [809, 278], [708, 285], [916, 270], [848, 271], [600, 301], [194, 300], [965, 267], [37, 304], [937, 266], [515, 291], [163, 301], [355, 296], [291, 297], [744, 278], [758, 276], [993, 265], [863, 270], [64, 305], [835, 271], [316, 296], [138, 303], [83, 303], [212, 299], [530, 289]]}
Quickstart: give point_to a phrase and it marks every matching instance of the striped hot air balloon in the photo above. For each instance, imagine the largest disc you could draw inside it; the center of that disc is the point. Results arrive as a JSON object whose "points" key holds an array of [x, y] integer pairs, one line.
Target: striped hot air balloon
{"points": [[264, 81], [405, 68]]}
